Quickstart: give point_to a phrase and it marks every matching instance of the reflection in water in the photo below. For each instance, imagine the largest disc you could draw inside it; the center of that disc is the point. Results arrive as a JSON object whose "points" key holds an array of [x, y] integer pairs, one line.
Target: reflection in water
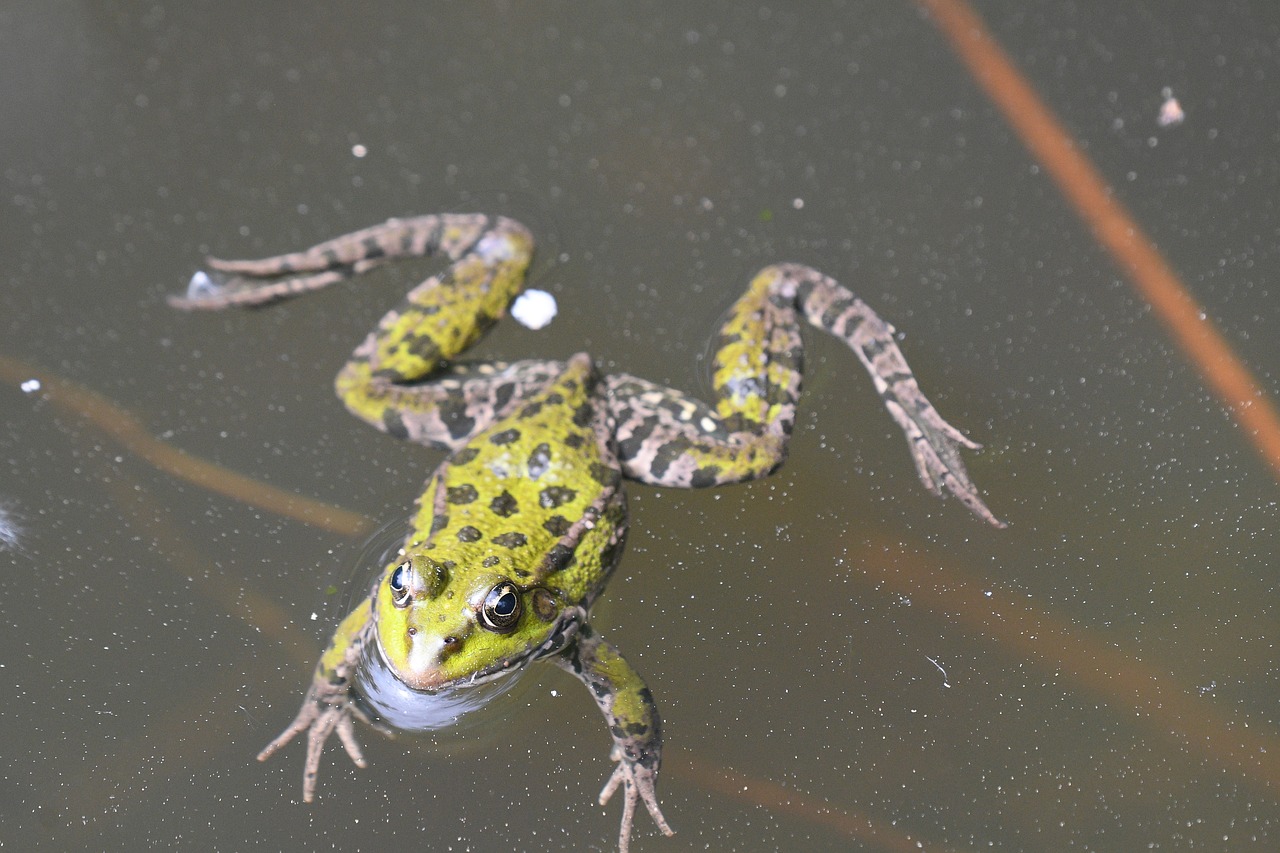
{"points": [[10, 529]]}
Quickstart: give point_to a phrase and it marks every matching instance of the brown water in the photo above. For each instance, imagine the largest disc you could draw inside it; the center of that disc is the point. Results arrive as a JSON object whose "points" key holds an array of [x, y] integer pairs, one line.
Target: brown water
{"points": [[1105, 674]]}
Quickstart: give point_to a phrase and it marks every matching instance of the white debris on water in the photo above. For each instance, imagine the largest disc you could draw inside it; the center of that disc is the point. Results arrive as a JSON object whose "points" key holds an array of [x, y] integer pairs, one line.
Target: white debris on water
{"points": [[31, 386], [1171, 113], [201, 285], [10, 530], [534, 309]]}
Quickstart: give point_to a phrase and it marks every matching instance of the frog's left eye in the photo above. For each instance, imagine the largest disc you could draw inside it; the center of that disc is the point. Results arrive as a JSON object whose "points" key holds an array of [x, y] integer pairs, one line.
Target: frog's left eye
{"points": [[398, 583], [501, 609]]}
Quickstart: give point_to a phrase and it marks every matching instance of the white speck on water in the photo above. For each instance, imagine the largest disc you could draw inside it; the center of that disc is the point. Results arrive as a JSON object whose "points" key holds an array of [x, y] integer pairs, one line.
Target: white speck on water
{"points": [[31, 386], [534, 309], [358, 150], [201, 285], [945, 682], [1171, 113]]}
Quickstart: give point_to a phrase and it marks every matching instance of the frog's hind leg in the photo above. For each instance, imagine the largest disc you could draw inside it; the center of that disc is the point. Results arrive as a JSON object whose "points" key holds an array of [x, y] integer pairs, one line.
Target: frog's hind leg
{"points": [[670, 439], [458, 401], [402, 378], [257, 282]]}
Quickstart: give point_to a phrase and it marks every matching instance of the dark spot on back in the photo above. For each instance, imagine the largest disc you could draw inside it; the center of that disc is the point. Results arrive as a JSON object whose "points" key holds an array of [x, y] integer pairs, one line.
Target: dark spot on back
{"points": [[583, 414], [490, 561], [514, 539], [463, 456], [464, 494], [557, 525], [557, 558], [505, 504], [539, 460], [468, 534], [554, 496], [438, 523]]}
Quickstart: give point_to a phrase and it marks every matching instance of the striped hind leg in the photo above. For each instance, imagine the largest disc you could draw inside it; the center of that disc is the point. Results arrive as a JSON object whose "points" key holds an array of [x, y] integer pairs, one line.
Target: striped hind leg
{"points": [[668, 438]]}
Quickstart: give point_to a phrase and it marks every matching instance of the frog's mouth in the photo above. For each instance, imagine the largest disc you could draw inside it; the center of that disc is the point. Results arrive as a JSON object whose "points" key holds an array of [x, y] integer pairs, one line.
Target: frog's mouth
{"points": [[389, 699], [425, 672]]}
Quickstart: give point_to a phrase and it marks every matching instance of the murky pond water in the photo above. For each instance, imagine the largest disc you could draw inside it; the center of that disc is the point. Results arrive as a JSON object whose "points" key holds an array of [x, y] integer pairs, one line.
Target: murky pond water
{"points": [[841, 660]]}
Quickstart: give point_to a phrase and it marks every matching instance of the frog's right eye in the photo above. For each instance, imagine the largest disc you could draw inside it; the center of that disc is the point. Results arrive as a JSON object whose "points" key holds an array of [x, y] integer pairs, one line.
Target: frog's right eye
{"points": [[398, 583]]}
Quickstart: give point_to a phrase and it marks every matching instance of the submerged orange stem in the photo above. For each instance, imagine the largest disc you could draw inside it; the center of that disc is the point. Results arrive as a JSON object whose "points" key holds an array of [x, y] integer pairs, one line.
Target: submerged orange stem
{"points": [[1233, 741], [128, 431], [1077, 179], [777, 799]]}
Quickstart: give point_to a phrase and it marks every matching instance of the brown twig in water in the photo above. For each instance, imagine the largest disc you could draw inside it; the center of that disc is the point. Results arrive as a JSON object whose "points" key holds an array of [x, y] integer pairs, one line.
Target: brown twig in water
{"points": [[1113, 226], [1235, 742], [128, 431], [779, 800]]}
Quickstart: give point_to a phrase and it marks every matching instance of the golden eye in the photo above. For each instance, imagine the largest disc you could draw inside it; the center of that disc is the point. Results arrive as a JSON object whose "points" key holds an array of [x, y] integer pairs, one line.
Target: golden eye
{"points": [[398, 583], [501, 609]]}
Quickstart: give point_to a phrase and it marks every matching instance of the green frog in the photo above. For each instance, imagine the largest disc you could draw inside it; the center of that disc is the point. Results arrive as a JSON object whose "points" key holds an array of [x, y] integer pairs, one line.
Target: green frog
{"points": [[519, 529]]}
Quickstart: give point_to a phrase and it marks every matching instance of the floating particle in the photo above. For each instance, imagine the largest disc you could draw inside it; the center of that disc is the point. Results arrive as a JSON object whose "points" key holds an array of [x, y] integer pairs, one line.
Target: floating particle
{"points": [[534, 309], [1171, 113]]}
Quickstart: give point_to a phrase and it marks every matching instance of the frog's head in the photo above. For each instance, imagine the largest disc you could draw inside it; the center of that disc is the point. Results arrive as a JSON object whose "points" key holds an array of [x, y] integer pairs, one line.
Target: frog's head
{"points": [[439, 626]]}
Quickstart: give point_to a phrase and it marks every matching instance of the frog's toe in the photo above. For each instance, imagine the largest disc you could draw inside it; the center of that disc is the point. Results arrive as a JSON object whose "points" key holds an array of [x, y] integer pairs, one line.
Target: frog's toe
{"points": [[347, 734], [638, 783], [302, 722]]}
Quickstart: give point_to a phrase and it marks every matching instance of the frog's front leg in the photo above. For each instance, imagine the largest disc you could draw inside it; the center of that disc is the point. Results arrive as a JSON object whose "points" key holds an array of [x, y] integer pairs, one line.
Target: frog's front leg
{"points": [[328, 707], [633, 721]]}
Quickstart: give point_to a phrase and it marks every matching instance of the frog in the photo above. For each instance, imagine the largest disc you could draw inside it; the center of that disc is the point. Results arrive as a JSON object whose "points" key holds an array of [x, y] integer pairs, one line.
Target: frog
{"points": [[519, 529]]}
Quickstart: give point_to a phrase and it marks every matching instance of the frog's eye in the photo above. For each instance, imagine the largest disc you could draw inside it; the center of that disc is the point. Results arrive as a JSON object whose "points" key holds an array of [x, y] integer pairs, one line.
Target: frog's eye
{"points": [[398, 583], [501, 609]]}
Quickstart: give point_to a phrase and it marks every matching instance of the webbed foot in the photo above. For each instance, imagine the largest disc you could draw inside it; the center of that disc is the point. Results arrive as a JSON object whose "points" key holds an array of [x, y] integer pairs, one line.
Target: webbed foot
{"points": [[935, 448], [638, 782], [325, 710]]}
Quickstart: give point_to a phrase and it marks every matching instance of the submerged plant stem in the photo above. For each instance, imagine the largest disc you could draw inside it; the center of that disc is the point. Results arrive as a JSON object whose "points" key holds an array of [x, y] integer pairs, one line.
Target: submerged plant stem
{"points": [[126, 429], [1084, 187]]}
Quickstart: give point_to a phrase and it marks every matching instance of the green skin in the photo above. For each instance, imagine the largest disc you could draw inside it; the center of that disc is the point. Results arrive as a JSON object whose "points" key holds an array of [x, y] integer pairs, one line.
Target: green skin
{"points": [[520, 527]]}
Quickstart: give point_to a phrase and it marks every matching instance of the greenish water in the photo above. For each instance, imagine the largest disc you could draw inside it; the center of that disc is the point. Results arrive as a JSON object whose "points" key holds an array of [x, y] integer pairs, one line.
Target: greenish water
{"points": [[815, 630]]}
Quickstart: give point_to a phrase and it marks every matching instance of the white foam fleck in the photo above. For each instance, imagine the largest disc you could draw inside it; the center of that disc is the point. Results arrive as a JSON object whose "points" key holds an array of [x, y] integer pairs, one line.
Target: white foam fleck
{"points": [[534, 309]]}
